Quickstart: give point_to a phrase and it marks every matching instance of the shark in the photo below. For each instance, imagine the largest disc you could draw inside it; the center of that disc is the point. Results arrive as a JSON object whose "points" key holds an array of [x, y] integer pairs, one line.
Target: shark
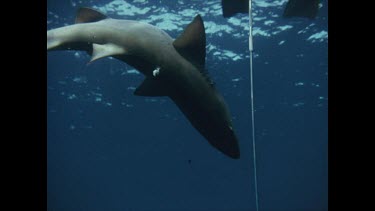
{"points": [[174, 68]]}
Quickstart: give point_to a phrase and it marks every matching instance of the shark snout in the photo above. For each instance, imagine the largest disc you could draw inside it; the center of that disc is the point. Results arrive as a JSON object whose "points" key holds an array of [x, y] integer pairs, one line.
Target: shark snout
{"points": [[230, 147], [225, 140]]}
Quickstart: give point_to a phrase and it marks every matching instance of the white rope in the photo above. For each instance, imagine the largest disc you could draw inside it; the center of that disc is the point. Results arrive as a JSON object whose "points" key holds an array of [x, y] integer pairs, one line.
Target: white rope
{"points": [[252, 104]]}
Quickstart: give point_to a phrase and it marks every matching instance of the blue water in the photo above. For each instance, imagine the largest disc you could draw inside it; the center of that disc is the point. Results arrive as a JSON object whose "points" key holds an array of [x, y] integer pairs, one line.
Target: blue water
{"points": [[111, 150]]}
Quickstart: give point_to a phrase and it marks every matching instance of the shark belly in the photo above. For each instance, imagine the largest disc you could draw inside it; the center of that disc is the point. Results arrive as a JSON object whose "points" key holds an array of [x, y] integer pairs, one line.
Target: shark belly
{"points": [[206, 110]]}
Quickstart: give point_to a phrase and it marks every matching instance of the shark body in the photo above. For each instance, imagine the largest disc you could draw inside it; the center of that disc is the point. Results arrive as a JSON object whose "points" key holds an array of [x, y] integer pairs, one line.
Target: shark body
{"points": [[172, 67]]}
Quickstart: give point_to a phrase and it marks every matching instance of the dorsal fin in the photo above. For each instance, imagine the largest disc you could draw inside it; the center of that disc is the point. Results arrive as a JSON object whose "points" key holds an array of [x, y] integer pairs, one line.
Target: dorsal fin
{"points": [[191, 44], [88, 15], [231, 8], [304, 9]]}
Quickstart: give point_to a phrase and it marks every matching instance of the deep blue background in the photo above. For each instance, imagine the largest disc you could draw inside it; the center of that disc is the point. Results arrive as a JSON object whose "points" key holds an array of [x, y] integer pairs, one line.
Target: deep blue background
{"points": [[141, 153]]}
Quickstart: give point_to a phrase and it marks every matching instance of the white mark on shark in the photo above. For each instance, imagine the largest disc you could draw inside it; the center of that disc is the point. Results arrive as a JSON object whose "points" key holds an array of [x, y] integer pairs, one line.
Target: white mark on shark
{"points": [[156, 72]]}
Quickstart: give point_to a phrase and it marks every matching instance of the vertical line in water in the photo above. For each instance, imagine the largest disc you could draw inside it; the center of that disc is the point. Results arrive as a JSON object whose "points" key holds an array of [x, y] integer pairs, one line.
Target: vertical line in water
{"points": [[252, 105]]}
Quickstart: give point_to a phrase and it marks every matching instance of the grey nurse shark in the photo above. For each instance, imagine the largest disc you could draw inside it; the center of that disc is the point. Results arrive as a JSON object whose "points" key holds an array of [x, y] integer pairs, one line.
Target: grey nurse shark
{"points": [[172, 67]]}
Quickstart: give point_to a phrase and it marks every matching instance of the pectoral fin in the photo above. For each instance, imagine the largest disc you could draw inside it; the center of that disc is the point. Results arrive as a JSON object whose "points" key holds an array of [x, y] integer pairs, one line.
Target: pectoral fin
{"points": [[109, 49]]}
